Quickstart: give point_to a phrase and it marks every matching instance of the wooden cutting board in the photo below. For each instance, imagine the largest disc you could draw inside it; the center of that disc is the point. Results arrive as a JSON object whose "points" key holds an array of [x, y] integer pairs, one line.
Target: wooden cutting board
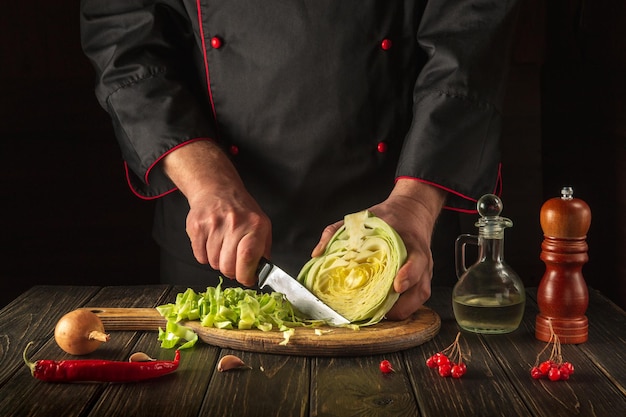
{"points": [[384, 337]]}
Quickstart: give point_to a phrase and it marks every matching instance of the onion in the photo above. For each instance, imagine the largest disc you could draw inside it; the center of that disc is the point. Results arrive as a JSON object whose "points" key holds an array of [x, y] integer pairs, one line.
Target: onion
{"points": [[354, 276], [80, 332]]}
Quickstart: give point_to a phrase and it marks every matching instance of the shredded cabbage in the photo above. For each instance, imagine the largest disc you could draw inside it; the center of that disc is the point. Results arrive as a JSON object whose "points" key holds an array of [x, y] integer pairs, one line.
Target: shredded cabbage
{"points": [[228, 308], [354, 276]]}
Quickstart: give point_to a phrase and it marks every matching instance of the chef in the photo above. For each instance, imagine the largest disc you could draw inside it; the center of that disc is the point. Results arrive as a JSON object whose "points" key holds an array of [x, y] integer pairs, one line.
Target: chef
{"points": [[257, 125]]}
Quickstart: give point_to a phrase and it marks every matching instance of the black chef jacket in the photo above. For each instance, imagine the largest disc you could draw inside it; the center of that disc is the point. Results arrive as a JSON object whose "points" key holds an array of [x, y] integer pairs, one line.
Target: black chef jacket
{"points": [[321, 104]]}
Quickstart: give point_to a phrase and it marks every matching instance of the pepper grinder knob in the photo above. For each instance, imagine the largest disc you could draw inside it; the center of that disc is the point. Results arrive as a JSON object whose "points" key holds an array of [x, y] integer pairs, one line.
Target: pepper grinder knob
{"points": [[562, 294]]}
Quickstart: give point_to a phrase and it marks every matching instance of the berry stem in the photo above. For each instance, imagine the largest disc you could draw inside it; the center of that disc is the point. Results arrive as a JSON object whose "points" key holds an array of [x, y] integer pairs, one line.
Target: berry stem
{"points": [[454, 350]]}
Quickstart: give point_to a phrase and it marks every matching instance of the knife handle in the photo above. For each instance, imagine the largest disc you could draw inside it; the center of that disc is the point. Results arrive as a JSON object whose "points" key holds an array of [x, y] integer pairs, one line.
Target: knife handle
{"points": [[263, 270]]}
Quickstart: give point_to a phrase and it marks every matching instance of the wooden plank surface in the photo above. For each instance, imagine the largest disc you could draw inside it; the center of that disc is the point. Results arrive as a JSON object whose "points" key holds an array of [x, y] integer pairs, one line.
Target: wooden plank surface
{"points": [[356, 387], [485, 390], [607, 331], [497, 382], [44, 309], [22, 321], [276, 386], [179, 394], [586, 393]]}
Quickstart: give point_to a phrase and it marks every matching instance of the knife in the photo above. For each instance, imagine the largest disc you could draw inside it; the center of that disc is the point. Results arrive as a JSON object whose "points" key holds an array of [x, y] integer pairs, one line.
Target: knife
{"points": [[297, 294]]}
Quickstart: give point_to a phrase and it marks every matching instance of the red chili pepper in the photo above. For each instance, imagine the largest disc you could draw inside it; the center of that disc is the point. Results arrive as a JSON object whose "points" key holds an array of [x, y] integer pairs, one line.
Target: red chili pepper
{"points": [[99, 370]]}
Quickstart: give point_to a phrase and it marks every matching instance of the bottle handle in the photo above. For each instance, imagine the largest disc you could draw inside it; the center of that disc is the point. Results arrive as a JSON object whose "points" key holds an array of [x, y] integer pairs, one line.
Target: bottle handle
{"points": [[459, 252]]}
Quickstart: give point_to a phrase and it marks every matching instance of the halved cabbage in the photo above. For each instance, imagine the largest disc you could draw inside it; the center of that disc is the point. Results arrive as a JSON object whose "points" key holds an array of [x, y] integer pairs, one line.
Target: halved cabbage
{"points": [[354, 276]]}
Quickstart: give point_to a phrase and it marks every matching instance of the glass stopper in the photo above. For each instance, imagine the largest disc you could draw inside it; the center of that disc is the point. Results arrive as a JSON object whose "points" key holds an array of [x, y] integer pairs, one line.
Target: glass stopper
{"points": [[490, 224], [489, 205]]}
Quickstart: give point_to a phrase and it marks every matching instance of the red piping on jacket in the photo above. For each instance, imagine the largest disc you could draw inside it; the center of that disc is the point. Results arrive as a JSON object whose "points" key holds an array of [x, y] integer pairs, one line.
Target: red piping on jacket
{"points": [[206, 59], [497, 190], [143, 197]]}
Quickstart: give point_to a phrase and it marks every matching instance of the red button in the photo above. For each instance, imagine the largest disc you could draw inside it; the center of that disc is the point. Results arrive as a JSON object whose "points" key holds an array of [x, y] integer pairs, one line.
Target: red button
{"points": [[381, 147], [216, 42], [234, 150], [385, 44]]}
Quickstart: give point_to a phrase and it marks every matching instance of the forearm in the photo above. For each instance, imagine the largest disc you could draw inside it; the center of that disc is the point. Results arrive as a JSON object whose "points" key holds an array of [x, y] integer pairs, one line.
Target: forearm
{"points": [[201, 168], [426, 198], [412, 208]]}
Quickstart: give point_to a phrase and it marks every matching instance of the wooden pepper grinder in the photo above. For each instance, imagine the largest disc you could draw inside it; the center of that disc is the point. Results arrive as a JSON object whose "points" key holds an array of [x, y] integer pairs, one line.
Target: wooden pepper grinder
{"points": [[562, 294]]}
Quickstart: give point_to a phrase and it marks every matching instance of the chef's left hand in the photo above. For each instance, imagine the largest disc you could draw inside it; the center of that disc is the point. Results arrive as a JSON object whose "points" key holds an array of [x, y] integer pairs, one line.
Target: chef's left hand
{"points": [[411, 209]]}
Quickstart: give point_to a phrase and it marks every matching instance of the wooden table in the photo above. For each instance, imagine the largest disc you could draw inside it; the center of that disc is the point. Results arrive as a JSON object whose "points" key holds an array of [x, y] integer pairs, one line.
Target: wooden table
{"points": [[497, 382]]}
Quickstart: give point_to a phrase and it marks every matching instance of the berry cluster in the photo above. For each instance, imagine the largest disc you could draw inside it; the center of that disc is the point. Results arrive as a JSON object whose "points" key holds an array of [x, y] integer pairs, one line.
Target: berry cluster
{"points": [[554, 368], [449, 362]]}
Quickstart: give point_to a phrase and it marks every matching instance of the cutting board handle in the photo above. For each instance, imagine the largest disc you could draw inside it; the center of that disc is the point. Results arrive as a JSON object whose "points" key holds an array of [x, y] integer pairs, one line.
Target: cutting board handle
{"points": [[128, 318]]}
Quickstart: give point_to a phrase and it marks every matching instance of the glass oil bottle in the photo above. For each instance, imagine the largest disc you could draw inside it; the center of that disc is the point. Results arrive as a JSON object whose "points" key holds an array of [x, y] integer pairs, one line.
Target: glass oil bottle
{"points": [[489, 297]]}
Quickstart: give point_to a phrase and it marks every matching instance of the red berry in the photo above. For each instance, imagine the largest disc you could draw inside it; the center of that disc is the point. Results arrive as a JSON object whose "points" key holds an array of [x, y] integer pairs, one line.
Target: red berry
{"points": [[536, 373], [567, 367], [431, 362], [554, 374], [458, 370], [545, 367], [442, 359], [385, 367], [445, 369]]}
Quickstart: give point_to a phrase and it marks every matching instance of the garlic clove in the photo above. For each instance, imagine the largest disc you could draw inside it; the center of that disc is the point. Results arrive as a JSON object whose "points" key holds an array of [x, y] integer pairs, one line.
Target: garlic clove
{"points": [[140, 357], [229, 362]]}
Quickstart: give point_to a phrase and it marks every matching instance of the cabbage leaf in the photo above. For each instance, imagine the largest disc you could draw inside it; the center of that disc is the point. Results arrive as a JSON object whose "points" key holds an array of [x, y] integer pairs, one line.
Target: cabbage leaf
{"points": [[228, 308], [354, 276]]}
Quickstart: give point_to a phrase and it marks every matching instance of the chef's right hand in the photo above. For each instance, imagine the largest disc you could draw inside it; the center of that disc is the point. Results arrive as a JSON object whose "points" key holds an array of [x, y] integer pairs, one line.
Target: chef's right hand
{"points": [[226, 226]]}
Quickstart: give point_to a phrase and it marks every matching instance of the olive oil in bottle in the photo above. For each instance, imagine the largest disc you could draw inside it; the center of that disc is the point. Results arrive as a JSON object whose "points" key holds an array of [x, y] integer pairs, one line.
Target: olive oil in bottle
{"points": [[489, 296]]}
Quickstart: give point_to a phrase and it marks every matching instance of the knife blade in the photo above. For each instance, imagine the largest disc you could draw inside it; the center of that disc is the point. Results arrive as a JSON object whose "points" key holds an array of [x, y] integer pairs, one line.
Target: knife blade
{"points": [[297, 294]]}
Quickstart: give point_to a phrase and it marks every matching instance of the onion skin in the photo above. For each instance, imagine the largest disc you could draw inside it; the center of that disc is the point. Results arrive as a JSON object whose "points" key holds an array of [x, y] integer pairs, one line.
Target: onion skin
{"points": [[80, 332]]}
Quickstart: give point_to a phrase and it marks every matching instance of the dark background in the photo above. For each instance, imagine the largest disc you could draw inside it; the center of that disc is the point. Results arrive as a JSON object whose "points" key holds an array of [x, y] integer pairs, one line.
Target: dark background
{"points": [[68, 217]]}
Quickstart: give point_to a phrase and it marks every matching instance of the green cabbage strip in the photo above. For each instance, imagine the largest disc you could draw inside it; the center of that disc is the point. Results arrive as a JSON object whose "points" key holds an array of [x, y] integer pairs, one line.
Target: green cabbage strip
{"points": [[228, 308], [354, 276]]}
